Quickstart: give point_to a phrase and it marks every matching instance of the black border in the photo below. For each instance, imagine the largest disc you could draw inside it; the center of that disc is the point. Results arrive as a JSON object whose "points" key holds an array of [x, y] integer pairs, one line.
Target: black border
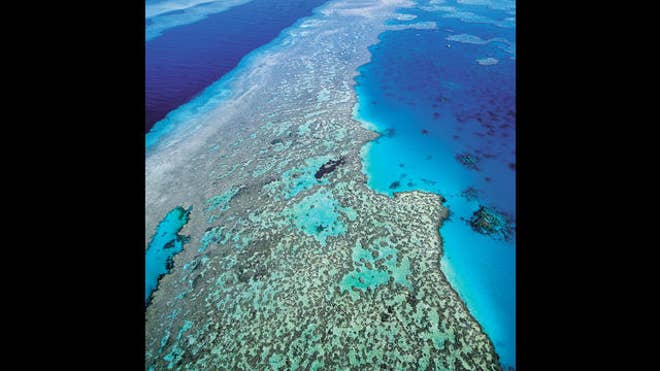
{"points": [[84, 196]]}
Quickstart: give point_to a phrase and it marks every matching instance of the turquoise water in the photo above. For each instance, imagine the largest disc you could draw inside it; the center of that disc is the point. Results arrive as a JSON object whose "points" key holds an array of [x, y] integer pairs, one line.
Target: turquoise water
{"points": [[164, 244], [444, 101], [317, 215]]}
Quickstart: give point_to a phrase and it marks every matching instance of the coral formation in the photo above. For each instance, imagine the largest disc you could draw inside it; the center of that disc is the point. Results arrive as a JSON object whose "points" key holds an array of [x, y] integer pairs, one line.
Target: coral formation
{"points": [[290, 270]]}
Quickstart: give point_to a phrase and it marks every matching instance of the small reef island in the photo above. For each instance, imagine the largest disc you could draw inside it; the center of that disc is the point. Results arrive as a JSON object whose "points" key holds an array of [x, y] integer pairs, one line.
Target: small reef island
{"points": [[343, 198]]}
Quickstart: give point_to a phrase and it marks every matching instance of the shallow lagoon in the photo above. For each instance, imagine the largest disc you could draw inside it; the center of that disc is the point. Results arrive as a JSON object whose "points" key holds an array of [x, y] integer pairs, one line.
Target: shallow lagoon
{"points": [[164, 244]]}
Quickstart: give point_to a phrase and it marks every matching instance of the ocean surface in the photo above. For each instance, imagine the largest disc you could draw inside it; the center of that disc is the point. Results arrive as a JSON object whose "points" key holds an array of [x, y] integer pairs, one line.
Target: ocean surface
{"points": [[186, 58], [444, 101]]}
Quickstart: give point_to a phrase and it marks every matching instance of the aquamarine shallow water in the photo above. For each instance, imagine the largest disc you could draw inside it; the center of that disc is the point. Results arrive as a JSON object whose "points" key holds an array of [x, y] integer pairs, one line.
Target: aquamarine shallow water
{"points": [[164, 244], [437, 96]]}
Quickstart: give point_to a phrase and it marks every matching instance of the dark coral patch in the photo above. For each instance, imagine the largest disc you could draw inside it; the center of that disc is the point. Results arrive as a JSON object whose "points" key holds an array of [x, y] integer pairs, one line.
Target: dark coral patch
{"points": [[169, 264], [470, 194], [468, 160], [388, 133], [412, 300], [328, 167], [395, 185], [491, 222]]}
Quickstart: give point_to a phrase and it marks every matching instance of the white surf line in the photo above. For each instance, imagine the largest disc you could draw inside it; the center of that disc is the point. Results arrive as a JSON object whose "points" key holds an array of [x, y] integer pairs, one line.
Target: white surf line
{"points": [[153, 10], [161, 16]]}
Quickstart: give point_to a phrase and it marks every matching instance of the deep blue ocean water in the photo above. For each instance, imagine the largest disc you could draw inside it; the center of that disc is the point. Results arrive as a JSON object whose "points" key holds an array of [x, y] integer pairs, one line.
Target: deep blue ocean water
{"points": [[448, 125], [186, 59]]}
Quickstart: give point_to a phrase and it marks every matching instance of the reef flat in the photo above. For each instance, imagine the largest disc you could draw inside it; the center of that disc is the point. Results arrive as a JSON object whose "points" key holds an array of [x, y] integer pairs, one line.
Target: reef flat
{"points": [[292, 261]]}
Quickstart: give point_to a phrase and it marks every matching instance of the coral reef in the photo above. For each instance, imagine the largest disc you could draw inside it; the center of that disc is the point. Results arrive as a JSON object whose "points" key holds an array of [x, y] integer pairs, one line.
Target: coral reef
{"points": [[468, 160], [489, 221], [286, 269]]}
